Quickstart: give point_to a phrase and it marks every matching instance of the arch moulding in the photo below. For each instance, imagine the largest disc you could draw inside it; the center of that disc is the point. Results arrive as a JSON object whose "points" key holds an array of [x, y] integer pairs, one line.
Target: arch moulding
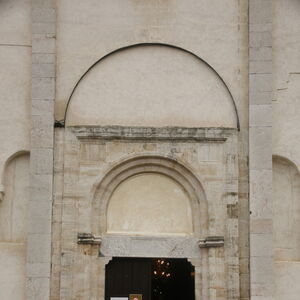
{"points": [[142, 165]]}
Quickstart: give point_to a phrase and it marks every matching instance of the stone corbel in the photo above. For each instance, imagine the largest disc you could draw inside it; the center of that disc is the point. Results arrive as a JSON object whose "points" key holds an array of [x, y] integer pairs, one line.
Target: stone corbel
{"points": [[88, 239], [212, 241], [1, 192]]}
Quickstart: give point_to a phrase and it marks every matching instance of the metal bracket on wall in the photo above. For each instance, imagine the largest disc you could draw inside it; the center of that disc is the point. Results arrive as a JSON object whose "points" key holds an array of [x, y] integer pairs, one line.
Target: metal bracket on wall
{"points": [[88, 239], [212, 241]]}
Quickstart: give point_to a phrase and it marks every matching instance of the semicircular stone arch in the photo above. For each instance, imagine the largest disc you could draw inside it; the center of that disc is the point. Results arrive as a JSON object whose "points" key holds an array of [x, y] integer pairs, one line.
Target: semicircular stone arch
{"points": [[152, 85], [126, 179]]}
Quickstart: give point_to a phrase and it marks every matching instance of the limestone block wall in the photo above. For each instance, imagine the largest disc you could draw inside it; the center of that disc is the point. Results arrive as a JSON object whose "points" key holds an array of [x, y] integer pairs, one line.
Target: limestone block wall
{"points": [[286, 194], [215, 31], [86, 32], [15, 83], [15, 88], [46, 47], [286, 137], [42, 149], [286, 85], [137, 82], [260, 149], [13, 229], [87, 160]]}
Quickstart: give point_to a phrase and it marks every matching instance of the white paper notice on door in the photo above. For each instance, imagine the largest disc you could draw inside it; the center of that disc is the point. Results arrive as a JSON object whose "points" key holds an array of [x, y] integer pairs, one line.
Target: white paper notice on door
{"points": [[118, 298]]}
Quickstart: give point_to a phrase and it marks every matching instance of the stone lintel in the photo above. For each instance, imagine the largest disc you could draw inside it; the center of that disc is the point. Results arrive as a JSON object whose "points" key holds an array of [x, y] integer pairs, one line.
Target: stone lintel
{"points": [[152, 246], [153, 133]]}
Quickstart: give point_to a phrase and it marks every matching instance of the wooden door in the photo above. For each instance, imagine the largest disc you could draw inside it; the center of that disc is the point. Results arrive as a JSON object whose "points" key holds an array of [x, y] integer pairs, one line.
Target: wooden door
{"points": [[125, 276]]}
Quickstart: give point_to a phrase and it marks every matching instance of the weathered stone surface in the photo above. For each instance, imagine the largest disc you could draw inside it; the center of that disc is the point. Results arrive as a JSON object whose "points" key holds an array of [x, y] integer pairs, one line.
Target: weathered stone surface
{"points": [[260, 115], [12, 260], [67, 37], [42, 142], [260, 148], [82, 179]]}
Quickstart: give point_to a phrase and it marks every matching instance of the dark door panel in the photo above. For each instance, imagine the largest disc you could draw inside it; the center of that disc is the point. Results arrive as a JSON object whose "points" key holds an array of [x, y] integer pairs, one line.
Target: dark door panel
{"points": [[126, 276], [153, 278]]}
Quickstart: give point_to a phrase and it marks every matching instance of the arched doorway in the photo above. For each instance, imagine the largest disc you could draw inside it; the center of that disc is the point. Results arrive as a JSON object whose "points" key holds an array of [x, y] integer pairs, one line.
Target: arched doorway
{"points": [[188, 172]]}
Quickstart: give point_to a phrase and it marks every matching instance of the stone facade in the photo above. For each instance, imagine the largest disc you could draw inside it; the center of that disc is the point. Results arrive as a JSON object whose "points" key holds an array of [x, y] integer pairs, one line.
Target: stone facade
{"points": [[199, 97]]}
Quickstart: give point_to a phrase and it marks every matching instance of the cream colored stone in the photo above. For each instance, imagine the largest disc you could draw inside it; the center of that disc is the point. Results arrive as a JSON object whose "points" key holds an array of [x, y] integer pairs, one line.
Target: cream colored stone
{"points": [[148, 204], [15, 100], [286, 195], [137, 83], [286, 111], [286, 41], [13, 228], [286, 144], [89, 184], [13, 208], [214, 30], [15, 88], [13, 271], [15, 22], [286, 67], [287, 280], [82, 41]]}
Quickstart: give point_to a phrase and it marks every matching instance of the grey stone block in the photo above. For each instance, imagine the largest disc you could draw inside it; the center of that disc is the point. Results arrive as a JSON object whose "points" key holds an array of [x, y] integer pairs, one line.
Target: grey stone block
{"points": [[43, 88], [263, 268], [43, 70], [43, 15], [260, 195], [41, 187], [38, 270], [38, 288], [261, 246], [39, 248], [41, 215], [41, 161], [260, 67], [256, 97], [260, 115], [46, 28], [260, 27], [43, 43], [260, 11], [43, 3], [43, 108], [260, 148], [44, 58], [260, 53], [261, 82], [261, 291], [260, 39], [42, 133]]}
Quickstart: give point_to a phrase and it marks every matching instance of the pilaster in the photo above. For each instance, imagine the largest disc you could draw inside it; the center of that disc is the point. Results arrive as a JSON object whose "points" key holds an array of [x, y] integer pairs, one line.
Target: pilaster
{"points": [[41, 159], [260, 148]]}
